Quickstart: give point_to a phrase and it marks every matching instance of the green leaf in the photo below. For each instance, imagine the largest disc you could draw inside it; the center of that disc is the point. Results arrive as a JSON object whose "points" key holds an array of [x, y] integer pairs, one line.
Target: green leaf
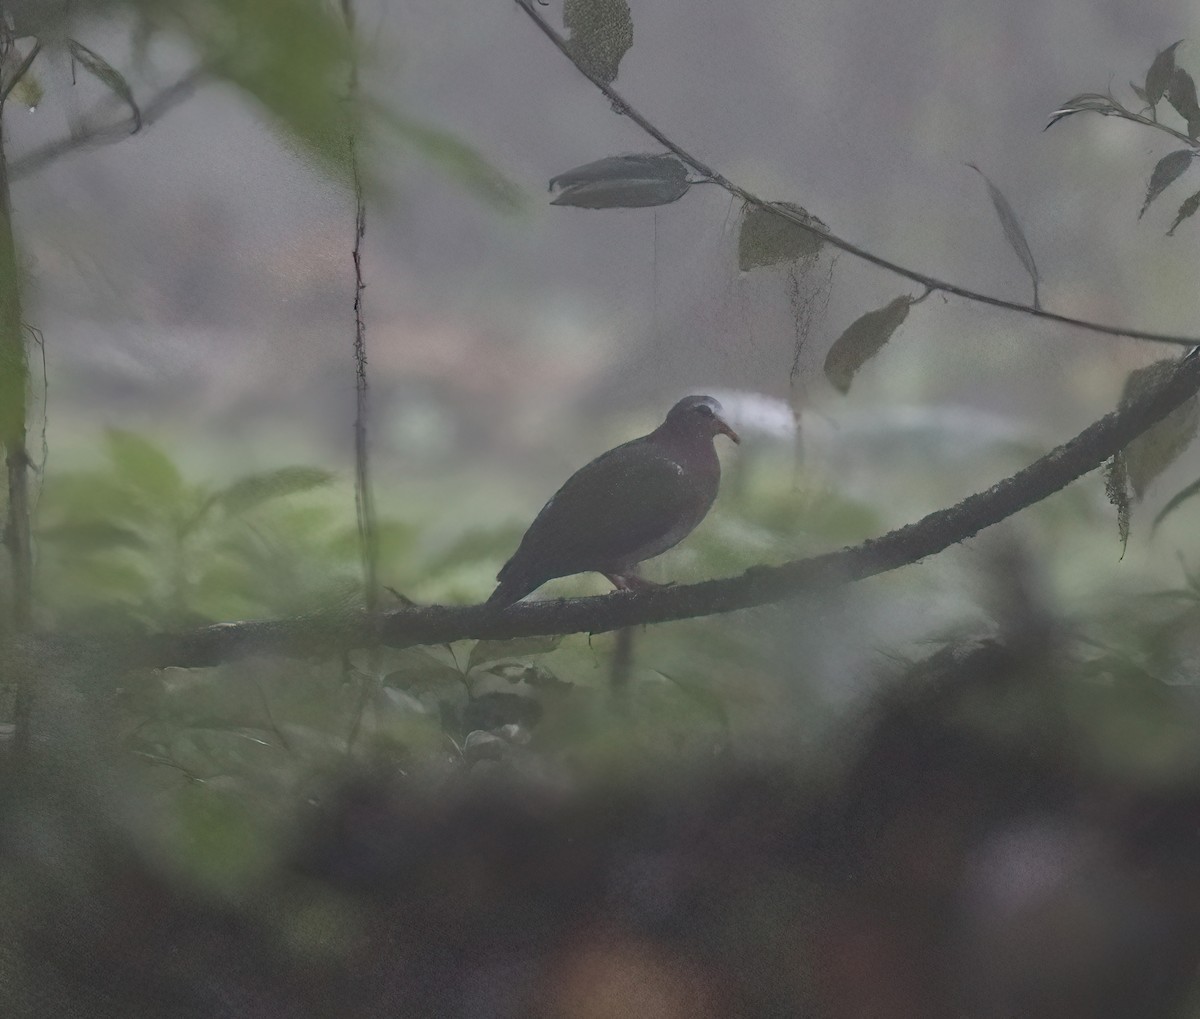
{"points": [[92, 535], [1159, 75], [458, 159], [292, 57], [1152, 452], [1186, 210], [1012, 231], [766, 238], [1116, 487], [521, 647], [863, 339], [1177, 500], [253, 490], [109, 76], [1086, 102], [144, 466], [601, 32], [1166, 171], [28, 91], [1181, 94], [623, 182]]}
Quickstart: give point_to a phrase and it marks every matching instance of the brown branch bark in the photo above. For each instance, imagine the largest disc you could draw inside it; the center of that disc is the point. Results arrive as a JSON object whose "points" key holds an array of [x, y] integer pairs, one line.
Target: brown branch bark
{"points": [[623, 106], [437, 624]]}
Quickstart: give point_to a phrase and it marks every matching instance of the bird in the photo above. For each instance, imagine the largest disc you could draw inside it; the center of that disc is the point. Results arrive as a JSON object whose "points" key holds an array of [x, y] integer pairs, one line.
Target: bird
{"points": [[628, 505]]}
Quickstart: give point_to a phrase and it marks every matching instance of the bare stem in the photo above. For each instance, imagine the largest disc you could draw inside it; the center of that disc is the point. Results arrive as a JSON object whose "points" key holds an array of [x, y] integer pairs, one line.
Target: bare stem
{"points": [[363, 496], [14, 398]]}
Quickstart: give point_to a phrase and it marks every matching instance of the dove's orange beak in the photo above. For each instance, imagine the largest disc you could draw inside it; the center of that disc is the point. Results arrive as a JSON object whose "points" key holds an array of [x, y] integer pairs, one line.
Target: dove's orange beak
{"points": [[720, 427]]}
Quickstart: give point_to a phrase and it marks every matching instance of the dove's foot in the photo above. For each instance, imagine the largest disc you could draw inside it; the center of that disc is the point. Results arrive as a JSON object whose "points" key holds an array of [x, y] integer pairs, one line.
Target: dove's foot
{"points": [[632, 582]]}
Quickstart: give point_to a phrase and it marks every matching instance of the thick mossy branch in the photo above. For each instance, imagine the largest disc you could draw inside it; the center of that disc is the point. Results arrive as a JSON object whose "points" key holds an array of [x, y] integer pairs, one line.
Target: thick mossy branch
{"points": [[437, 624]]}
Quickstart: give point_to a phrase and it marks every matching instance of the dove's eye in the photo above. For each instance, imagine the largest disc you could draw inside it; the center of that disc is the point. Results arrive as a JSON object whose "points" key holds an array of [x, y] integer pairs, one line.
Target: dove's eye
{"points": [[704, 409]]}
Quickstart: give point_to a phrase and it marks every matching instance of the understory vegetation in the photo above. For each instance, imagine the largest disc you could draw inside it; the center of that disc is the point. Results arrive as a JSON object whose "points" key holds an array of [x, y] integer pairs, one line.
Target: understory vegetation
{"points": [[961, 779]]}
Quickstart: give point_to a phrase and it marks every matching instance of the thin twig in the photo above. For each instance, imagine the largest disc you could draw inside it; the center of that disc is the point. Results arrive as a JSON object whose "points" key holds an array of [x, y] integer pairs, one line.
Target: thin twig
{"points": [[106, 134], [622, 105], [763, 585], [1137, 118]]}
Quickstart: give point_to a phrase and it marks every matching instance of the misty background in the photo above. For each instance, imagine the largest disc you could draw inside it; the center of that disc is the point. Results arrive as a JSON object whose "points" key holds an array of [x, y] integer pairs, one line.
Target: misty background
{"points": [[194, 281]]}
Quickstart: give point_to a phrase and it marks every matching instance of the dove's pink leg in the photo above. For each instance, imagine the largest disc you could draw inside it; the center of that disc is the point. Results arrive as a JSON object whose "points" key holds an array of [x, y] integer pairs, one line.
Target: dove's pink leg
{"points": [[632, 582]]}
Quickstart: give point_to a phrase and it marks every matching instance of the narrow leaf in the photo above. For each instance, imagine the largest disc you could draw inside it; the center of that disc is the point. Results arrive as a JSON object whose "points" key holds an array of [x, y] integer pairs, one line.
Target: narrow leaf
{"points": [[109, 76], [769, 239], [456, 157], [144, 466], [1186, 211], [1012, 231], [1167, 170], [1139, 92], [1158, 78], [650, 166], [631, 193], [1087, 102], [1152, 452], [863, 339], [615, 182], [521, 647], [254, 489], [1181, 94], [92, 536], [1116, 487], [601, 32], [1177, 500]]}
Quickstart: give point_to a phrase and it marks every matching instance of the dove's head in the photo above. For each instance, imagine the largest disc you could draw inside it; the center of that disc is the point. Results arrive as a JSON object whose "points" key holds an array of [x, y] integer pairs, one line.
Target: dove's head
{"points": [[699, 416]]}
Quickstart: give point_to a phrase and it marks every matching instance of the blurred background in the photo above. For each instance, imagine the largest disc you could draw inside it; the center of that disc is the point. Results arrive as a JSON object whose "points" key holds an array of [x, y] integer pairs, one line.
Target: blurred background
{"points": [[192, 287], [194, 281]]}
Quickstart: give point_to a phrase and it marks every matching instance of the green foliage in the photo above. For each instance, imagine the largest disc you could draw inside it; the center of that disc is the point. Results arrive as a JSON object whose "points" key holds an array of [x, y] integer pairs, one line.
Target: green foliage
{"points": [[1152, 452], [293, 58], [458, 159], [1012, 231], [1165, 79], [766, 239], [622, 182], [865, 337], [137, 534], [1166, 171], [601, 32], [1116, 488]]}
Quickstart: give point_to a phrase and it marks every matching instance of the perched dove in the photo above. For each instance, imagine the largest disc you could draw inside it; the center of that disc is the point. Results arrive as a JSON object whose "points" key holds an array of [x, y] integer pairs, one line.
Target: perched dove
{"points": [[628, 505]]}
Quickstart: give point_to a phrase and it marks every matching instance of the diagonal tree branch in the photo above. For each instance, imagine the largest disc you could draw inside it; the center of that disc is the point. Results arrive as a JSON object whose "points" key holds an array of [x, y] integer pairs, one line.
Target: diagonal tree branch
{"points": [[622, 105], [762, 585], [96, 134]]}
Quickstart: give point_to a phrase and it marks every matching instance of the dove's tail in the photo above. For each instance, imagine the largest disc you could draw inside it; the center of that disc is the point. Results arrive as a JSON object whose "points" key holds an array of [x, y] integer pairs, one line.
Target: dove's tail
{"points": [[513, 586]]}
